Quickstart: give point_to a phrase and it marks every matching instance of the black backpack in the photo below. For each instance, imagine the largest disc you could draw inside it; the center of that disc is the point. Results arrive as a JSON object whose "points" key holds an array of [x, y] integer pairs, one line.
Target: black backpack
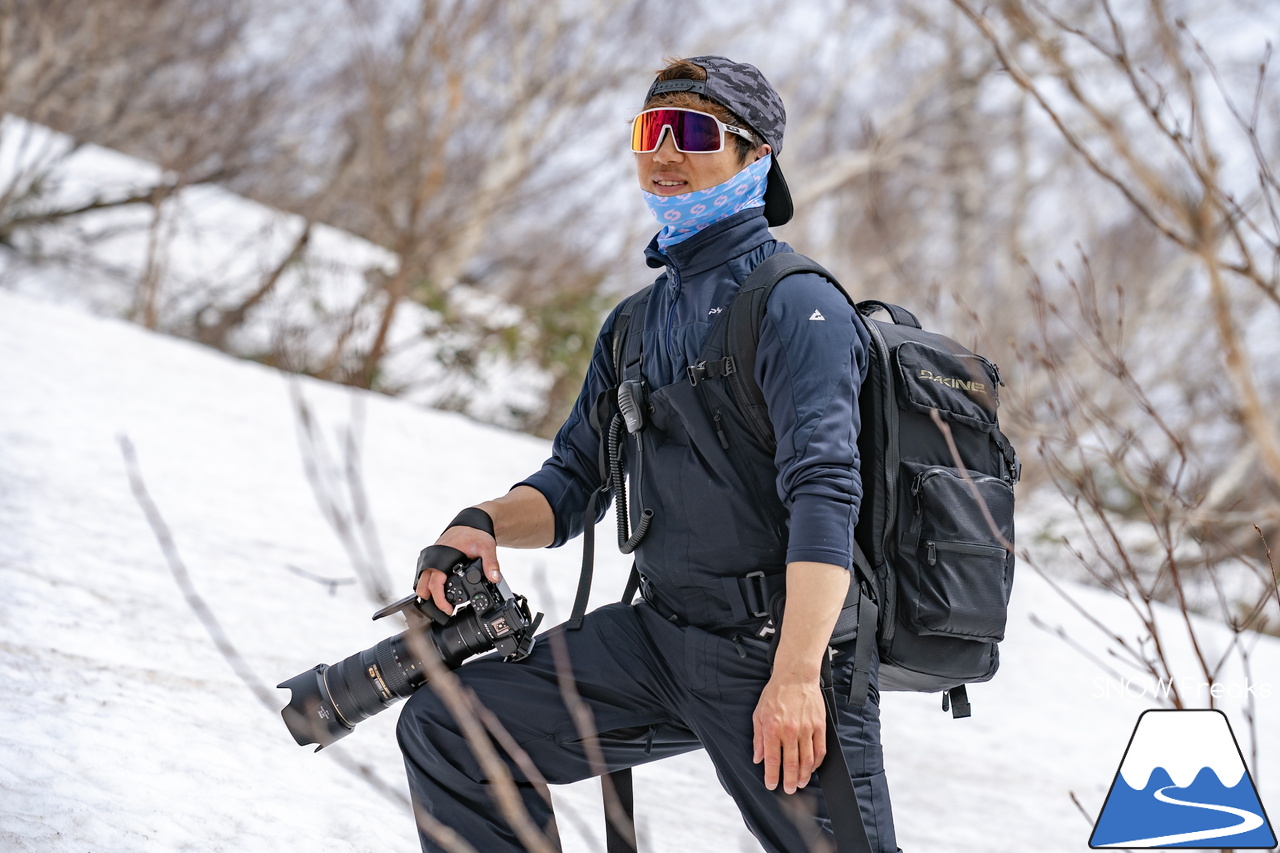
{"points": [[935, 537]]}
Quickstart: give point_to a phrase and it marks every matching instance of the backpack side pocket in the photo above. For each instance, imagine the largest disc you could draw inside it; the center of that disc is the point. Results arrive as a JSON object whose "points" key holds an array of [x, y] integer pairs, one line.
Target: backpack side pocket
{"points": [[955, 571]]}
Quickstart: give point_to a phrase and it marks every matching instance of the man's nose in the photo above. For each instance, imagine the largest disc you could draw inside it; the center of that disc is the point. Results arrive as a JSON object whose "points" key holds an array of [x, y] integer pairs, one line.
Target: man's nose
{"points": [[666, 151]]}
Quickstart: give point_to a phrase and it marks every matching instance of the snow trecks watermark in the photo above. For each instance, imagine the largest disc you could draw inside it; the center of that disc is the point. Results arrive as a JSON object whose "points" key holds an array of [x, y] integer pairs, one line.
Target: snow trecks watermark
{"points": [[1166, 688]]}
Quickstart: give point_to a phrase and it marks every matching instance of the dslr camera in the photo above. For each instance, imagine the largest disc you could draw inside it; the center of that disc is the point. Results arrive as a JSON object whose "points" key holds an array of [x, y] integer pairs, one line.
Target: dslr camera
{"points": [[328, 701]]}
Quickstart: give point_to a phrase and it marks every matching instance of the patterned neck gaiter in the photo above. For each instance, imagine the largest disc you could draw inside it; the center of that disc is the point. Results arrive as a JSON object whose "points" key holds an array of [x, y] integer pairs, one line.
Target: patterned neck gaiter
{"points": [[682, 216]]}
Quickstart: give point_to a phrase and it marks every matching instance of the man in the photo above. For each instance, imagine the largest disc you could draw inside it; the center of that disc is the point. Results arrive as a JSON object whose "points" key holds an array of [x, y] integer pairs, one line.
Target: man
{"points": [[730, 524]]}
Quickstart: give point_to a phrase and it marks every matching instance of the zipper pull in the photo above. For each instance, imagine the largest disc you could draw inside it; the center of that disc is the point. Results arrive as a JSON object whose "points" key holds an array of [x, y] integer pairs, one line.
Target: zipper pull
{"points": [[912, 537], [917, 484], [724, 441], [931, 552]]}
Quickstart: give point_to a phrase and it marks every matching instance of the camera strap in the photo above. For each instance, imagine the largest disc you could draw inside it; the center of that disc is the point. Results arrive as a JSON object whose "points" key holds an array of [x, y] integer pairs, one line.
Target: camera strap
{"points": [[837, 785], [600, 414], [601, 417]]}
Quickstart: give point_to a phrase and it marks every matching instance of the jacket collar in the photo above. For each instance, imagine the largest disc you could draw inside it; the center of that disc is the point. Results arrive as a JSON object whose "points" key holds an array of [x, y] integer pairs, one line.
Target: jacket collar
{"points": [[732, 236]]}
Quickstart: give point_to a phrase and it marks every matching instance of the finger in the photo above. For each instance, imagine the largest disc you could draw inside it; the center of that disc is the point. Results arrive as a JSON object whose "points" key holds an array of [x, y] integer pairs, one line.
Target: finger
{"points": [[757, 742], [423, 589], [491, 568], [435, 584], [791, 766], [804, 766], [487, 550], [772, 763], [771, 757], [819, 747]]}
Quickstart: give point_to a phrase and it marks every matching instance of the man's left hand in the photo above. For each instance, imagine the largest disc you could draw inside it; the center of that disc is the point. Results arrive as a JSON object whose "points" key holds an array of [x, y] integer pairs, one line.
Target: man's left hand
{"points": [[789, 731], [790, 720]]}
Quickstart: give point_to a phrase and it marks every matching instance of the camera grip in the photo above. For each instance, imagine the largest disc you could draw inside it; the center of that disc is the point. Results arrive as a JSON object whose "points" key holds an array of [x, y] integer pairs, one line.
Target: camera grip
{"points": [[437, 615]]}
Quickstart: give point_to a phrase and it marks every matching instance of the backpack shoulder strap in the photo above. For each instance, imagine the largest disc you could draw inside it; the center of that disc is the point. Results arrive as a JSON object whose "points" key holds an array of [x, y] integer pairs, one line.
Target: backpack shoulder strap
{"points": [[626, 346], [625, 356], [746, 313]]}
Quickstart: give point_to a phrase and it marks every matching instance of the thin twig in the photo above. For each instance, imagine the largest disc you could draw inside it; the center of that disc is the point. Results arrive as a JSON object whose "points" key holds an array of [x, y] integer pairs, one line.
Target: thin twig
{"points": [[463, 706], [169, 548], [348, 514], [221, 640]]}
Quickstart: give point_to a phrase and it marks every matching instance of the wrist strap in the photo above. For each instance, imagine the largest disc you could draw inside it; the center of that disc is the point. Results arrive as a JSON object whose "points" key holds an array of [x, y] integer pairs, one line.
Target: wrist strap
{"points": [[475, 518], [439, 557]]}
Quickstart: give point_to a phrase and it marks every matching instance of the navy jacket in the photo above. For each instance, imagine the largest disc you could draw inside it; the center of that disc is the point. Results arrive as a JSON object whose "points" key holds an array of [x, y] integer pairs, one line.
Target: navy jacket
{"points": [[812, 357]]}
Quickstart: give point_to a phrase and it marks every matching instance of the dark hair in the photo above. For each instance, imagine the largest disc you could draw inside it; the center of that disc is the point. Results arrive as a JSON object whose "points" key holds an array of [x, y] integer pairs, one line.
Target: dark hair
{"points": [[683, 69]]}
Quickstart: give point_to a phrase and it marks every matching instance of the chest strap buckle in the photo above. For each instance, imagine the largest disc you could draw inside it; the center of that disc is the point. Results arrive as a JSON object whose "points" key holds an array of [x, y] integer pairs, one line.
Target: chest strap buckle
{"points": [[712, 370]]}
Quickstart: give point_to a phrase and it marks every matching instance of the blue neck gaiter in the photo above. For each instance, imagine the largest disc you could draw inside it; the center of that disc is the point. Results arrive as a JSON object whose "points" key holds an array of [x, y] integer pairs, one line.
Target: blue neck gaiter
{"points": [[682, 216]]}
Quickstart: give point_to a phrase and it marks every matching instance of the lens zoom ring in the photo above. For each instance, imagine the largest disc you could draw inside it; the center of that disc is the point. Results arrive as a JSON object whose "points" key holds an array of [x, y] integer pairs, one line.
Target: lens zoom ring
{"points": [[362, 700], [392, 672]]}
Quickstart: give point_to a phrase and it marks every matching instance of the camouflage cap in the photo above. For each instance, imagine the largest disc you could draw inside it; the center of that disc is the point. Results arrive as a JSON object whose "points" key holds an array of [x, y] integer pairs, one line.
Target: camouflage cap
{"points": [[741, 88]]}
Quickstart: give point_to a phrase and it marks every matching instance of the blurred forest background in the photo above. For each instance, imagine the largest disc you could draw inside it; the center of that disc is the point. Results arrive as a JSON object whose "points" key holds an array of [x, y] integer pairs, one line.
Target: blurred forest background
{"points": [[1085, 191]]}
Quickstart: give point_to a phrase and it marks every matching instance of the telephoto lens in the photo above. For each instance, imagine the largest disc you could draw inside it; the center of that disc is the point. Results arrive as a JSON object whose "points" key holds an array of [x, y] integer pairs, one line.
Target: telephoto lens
{"points": [[328, 701]]}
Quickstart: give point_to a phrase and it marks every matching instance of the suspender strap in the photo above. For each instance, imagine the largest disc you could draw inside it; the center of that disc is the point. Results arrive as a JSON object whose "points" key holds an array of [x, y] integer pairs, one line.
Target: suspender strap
{"points": [[620, 836], [837, 786], [633, 585]]}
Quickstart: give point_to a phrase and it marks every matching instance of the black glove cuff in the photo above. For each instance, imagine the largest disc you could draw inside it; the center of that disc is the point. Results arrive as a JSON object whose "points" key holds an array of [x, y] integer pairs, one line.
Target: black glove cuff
{"points": [[475, 518]]}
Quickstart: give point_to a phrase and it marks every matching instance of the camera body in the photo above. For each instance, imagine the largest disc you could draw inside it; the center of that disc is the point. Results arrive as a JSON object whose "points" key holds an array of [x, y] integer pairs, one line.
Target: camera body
{"points": [[328, 701]]}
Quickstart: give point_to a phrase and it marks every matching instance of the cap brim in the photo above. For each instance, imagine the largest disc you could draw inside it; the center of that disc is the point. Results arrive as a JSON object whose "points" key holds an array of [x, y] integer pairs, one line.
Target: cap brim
{"points": [[777, 197]]}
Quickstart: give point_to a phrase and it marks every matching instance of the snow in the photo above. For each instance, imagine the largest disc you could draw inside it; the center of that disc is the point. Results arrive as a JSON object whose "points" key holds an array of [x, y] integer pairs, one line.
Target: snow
{"points": [[123, 728], [209, 249]]}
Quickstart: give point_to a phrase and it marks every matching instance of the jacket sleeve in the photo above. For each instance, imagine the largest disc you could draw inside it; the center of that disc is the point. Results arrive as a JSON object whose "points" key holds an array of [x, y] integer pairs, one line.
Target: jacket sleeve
{"points": [[572, 472], [810, 363]]}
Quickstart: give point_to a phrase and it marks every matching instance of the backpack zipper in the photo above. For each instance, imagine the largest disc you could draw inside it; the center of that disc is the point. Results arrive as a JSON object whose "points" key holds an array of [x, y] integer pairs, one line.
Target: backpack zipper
{"points": [[918, 483], [891, 461], [932, 547]]}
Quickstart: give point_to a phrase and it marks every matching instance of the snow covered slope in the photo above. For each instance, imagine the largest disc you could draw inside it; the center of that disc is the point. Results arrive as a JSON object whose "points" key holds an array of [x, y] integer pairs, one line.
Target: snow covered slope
{"points": [[122, 727]]}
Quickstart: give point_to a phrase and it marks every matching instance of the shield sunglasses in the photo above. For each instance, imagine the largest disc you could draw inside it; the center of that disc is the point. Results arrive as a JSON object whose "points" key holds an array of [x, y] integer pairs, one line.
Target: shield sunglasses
{"points": [[692, 132]]}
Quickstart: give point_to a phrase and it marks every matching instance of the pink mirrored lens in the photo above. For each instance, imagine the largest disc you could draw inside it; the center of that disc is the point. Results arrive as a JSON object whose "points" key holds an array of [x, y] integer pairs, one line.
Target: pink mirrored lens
{"points": [[693, 132]]}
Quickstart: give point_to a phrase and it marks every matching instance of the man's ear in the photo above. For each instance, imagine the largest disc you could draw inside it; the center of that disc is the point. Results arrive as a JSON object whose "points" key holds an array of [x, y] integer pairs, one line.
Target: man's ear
{"points": [[761, 152]]}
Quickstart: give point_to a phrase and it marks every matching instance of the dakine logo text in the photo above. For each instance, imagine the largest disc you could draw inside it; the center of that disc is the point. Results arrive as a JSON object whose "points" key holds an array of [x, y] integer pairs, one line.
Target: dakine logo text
{"points": [[952, 382]]}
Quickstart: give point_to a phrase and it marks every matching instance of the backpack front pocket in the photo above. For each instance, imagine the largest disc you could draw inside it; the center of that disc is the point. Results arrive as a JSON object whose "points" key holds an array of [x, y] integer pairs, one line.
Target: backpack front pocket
{"points": [[956, 572]]}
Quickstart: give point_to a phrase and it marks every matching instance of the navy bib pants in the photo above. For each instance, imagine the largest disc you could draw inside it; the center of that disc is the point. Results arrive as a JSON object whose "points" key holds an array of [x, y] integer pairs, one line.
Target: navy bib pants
{"points": [[654, 689]]}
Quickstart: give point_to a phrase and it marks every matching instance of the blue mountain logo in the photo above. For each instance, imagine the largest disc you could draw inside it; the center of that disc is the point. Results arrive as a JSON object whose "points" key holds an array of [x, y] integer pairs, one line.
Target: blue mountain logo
{"points": [[1183, 783]]}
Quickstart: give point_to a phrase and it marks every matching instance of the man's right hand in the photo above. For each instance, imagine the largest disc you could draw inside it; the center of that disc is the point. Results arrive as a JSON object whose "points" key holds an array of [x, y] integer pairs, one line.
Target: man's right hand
{"points": [[472, 543], [522, 517]]}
